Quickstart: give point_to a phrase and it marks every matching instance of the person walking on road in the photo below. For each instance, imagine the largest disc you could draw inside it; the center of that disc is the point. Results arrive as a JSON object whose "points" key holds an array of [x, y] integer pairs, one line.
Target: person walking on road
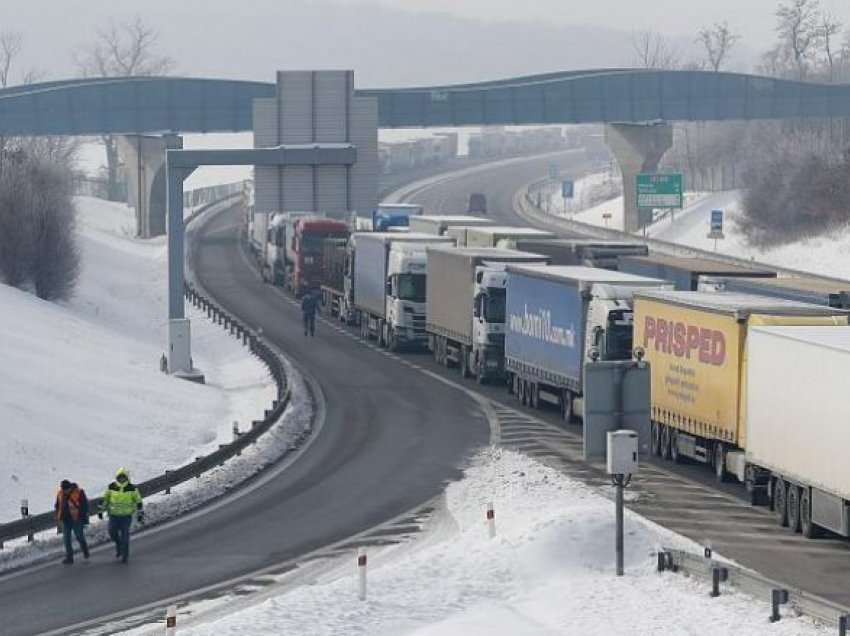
{"points": [[72, 515], [121, 500], [309, 307]]}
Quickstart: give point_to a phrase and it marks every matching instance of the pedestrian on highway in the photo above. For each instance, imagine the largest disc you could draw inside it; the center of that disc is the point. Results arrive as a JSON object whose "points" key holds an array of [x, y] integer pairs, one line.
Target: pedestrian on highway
{"points": [[121, 500], [72, 515], [309, 307]]}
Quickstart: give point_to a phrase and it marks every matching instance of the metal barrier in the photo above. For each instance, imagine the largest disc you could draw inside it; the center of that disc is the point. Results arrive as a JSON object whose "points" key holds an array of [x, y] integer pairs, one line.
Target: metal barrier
{"points": [[29, 525], [777, 593]]}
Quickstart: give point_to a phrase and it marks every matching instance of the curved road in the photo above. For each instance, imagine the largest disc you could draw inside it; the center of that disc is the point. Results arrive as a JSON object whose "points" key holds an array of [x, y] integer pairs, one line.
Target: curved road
{"points": [[391, 440]]}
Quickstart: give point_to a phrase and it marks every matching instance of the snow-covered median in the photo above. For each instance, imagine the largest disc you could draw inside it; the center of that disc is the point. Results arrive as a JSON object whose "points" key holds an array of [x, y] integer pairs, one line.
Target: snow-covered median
{"points": [[82, 390], [550, 570]]}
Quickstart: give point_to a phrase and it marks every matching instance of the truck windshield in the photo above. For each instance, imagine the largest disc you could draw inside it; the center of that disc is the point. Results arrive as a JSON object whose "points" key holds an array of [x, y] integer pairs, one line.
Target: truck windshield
{"points": [[618, 336], [311, 243], [411, 287], [494, 305]]}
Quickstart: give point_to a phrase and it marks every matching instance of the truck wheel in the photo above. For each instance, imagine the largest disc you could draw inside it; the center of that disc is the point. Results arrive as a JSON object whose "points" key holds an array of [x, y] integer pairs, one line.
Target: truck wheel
{"points": [[675, 456], [780, 502], [464, 362], [793, 508], [654, 439], [719, 462], [665, 441], [807, 526]]}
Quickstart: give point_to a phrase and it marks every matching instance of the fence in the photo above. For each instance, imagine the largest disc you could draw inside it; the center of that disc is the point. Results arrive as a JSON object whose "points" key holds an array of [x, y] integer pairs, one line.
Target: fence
{"points": [[28, 526], [700, 567]]}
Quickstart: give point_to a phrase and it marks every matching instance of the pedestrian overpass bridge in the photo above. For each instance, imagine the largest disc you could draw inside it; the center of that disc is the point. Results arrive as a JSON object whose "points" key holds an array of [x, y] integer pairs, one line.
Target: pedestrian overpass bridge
{"points": [[153, 105]]}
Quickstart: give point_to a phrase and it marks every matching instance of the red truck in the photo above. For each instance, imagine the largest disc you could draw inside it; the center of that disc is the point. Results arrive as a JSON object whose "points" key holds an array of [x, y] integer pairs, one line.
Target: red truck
{"points": [[295, 252]]}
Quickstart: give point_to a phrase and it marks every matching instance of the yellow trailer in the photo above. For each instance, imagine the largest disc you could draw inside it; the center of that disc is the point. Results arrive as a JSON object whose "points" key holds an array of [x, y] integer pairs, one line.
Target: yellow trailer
{"points": [[695, 343]]}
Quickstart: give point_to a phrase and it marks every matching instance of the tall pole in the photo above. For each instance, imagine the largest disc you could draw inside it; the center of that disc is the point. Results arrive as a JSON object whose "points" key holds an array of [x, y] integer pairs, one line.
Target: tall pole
{"points": [[619, 524]]}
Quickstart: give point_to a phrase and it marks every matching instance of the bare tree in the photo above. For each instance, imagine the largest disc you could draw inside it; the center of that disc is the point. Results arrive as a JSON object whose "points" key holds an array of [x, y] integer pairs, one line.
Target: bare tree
{"points": [[717, 41], [124, 49], [38, 247], [652, 50], [799, 29], [11, 44], [829, 28]]}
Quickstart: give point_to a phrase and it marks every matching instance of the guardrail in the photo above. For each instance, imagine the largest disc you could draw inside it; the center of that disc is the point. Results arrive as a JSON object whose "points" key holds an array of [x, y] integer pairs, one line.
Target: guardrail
{"points": [[524, 201], [30, 525], [778, 594]]}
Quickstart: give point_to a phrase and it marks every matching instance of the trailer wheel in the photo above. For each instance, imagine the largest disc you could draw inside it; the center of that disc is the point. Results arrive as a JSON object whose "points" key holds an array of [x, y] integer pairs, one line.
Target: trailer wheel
{"points": [[780, 502], [807, 526], [665, 441], [793, 508], [675, 456], [464, 362], [654, 439], [720, 462]]}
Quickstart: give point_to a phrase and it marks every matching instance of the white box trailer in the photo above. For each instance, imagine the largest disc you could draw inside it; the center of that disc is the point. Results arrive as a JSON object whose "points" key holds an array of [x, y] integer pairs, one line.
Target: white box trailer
{"points": [[800, 438], [439, 225], [505, 236]]}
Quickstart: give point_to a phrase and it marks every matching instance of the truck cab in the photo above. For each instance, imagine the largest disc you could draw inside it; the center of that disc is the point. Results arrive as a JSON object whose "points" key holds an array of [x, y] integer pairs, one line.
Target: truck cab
{"points": [[406, 276], [610, 323], [488, 334]]}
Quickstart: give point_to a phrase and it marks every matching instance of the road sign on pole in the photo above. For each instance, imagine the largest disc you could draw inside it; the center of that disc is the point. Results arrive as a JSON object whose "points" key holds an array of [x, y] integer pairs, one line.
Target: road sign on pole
{"points": [[659, 190], [715, 227], [553, 172], [567, 189]]}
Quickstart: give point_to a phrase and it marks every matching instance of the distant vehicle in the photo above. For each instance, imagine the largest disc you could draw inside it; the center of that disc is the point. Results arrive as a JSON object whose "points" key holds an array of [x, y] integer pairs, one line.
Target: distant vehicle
{"points": [[477, 203], [388, 216]]}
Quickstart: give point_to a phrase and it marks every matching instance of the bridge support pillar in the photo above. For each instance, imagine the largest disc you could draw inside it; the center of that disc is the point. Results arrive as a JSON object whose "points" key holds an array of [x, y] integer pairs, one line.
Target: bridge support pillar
{"points": [[638, 149], [144, 157]]}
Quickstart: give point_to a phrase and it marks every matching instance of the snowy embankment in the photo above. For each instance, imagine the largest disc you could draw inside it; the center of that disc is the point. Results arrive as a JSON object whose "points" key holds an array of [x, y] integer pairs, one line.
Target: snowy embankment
{"points": [[824, 255], [83, 394], [549, 570]]}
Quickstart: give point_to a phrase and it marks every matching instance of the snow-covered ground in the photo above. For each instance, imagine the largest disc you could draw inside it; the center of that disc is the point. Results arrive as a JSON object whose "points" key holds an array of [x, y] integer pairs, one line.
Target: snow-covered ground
{"points": [[826, 255], [82, 390], [549, 570]]}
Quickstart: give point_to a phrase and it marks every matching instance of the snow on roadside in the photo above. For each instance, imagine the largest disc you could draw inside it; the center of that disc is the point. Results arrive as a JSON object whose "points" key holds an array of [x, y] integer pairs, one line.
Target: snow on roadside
{"points": [[83, 394], [548, 571]]}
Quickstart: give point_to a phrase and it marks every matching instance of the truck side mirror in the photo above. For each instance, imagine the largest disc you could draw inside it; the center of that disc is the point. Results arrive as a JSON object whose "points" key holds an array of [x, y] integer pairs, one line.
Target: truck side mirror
{"points": [[476, 307], [597, 335], [389, 288]]}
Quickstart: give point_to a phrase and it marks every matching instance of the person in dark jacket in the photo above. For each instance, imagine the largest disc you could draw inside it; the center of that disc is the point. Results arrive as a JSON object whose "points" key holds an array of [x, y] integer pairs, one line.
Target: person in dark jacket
{"points": [[72, 514], [309, 307], [120, 500]]}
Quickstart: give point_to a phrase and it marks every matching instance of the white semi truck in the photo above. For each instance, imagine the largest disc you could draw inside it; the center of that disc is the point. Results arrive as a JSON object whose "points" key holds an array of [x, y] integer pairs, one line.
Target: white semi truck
{"points": [[466, 307], [389, 271], [797, 442]]}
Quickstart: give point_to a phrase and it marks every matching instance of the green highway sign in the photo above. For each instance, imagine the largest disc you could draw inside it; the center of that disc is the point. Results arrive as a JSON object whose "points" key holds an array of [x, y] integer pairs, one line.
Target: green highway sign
{"points": [[659, 190]]}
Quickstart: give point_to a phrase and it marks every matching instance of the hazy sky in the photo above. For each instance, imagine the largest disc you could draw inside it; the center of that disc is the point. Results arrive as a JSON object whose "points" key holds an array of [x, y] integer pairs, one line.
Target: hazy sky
{"points": [[752, 18], [391, 42]]}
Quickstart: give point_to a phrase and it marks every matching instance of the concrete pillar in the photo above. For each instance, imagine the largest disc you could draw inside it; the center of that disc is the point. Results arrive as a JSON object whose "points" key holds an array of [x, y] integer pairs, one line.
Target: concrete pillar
{"points": [[144, 157], [638, 149]]}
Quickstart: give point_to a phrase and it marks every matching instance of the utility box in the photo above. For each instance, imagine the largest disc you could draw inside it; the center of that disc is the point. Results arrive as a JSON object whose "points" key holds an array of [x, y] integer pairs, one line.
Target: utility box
{"points": [[622, 452]]}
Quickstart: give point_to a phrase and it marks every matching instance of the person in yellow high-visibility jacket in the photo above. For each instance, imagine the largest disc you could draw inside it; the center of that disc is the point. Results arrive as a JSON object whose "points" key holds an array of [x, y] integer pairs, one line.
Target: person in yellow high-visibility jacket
{"points": [[121, 500]]}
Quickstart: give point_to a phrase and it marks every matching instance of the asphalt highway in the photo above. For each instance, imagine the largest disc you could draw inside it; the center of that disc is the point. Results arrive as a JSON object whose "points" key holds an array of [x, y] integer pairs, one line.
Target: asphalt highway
{"points": [[391, 440]]}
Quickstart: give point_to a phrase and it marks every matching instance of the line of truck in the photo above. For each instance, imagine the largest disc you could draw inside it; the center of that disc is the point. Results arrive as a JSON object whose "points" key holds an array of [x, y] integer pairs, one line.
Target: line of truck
{"points": [[527, 309]]}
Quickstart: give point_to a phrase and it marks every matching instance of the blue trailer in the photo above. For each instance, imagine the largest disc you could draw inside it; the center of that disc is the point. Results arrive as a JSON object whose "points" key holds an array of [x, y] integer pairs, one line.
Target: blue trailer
{"points": [[394, 215], [556, 317]]}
